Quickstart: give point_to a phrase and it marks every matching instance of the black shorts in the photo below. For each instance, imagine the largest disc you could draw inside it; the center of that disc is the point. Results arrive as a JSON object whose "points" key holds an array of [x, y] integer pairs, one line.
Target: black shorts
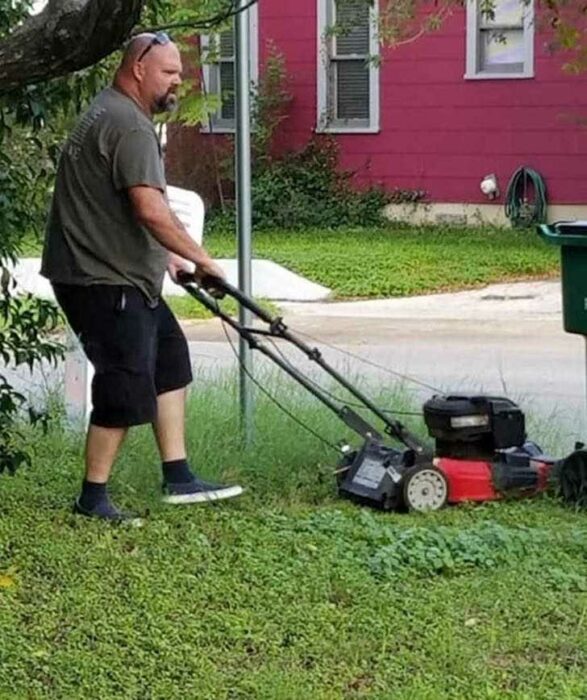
{"points": [[137, 351]]}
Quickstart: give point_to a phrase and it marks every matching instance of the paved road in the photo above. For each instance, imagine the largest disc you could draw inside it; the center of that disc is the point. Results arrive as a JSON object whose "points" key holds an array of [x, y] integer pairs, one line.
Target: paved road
{"points": [[518, 348]]}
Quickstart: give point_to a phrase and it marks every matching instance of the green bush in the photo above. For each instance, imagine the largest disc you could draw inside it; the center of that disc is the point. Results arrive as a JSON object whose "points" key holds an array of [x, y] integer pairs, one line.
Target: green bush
{"points": [[306, 188]]}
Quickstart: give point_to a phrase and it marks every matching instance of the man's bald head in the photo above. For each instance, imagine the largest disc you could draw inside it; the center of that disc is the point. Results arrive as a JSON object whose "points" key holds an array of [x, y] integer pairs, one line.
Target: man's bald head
{"points": [[135, 47], [138, 47], [150, 71]]}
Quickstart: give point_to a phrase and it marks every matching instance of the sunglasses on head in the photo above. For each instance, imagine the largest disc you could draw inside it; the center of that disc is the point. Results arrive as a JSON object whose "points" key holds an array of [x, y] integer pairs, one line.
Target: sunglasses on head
{"points": [[159, 39]]}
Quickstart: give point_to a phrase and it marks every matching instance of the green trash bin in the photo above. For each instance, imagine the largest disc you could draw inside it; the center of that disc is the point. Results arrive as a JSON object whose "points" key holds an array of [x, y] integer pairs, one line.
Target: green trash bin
{"points": [[571, 236]]}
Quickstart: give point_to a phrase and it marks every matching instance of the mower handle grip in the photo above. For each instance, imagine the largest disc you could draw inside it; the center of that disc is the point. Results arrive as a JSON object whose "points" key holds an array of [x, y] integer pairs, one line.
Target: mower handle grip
{"points": [[219, 288], [215, 286]]}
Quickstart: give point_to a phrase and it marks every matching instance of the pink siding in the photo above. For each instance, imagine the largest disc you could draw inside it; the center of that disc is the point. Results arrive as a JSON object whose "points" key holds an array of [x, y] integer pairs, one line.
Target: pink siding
{"points": [[439, 132], [291, 27]]}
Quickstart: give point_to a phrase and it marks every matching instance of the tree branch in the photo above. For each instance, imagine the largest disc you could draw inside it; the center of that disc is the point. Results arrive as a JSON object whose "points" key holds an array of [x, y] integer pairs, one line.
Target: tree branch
{"points": [[66, 36], [209, 23]]}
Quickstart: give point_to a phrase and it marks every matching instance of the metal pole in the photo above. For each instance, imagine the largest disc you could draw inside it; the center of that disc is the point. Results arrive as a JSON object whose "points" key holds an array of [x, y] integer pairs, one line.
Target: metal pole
{"points": [[243, 201]]}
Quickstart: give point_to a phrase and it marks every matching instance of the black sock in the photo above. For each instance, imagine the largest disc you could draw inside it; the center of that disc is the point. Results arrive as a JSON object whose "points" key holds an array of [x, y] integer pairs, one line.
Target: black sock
{"points": [[92, 494], [177, 471]]}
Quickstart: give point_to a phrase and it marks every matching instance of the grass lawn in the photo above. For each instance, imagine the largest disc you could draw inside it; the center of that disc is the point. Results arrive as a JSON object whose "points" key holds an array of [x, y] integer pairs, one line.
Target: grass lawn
{"points": [[395, 260], [287, 593], [398, 261]]}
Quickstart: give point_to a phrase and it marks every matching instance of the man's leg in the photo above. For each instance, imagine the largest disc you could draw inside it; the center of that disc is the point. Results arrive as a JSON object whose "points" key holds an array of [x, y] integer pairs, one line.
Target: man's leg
{"points": [[172, 375], [102, 445], [169, 426]]}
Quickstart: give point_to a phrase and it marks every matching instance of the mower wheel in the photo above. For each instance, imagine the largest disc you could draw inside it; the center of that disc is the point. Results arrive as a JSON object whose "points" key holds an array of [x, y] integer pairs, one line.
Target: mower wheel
{"points": [[424, 488]]}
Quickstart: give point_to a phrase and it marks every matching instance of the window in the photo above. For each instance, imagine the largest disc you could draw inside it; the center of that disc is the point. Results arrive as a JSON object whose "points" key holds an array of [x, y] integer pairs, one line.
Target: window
{"points": [[348, 75], [500, 46], [218, 51]]}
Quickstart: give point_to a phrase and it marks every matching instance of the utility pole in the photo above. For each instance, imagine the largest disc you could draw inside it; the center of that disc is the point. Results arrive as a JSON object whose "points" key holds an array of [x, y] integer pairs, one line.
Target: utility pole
{"points": [[243, 201]]}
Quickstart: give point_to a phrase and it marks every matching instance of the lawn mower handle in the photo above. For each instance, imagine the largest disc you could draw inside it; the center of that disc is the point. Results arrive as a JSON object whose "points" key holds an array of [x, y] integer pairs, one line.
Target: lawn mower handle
{"points": [[206, 288], [218, 288]]}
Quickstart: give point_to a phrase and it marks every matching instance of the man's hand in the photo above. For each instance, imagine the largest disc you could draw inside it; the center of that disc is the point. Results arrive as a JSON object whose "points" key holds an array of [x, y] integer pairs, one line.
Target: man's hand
{"points": [[206, 268], [209, 268], [177, 264]]}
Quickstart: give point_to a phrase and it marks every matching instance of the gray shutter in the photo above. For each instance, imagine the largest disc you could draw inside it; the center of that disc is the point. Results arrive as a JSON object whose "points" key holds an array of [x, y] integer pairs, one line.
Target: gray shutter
{"points": [[352, 90], [227, 110], [350, 60], [352, 17], [227, 44]]}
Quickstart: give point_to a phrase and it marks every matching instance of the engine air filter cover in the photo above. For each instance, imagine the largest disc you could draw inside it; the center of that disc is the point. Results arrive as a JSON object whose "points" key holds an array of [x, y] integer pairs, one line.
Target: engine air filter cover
{"points": [[465, 426]]}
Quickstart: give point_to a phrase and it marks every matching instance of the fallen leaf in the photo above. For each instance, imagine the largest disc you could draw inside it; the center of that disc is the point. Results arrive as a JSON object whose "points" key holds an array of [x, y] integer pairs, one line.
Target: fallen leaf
{"points": [[6, 581]]}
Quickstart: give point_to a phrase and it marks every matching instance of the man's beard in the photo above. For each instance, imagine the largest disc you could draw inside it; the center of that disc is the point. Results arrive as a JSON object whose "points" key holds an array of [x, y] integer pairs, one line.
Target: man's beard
{"points": [[166, 103]]}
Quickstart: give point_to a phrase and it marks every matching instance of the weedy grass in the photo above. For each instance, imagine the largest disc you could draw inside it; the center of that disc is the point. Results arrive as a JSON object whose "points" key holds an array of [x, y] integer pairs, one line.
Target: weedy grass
{"points": [[401, 260], [394, 260], [288, 592]]}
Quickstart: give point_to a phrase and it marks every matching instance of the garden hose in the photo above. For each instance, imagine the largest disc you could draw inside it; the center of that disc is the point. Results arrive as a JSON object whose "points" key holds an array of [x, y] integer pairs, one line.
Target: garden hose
{"points": [[519, 210]]}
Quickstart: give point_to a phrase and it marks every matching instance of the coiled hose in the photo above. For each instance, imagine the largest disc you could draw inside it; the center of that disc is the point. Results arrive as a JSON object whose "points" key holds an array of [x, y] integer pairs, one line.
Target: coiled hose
{"points": [[518, 208]]}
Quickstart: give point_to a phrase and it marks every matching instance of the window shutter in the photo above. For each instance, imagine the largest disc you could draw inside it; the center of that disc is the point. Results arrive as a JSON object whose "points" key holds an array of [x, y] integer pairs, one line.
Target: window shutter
{"points": [[353, 19], [227, 111], [227, 44], [352, 90], [350, 60]]}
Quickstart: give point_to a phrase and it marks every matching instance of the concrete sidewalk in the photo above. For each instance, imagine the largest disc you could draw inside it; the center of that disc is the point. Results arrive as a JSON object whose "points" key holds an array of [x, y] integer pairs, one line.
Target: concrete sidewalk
{"points": [[522, 300], [270, 281], [532, 300]]}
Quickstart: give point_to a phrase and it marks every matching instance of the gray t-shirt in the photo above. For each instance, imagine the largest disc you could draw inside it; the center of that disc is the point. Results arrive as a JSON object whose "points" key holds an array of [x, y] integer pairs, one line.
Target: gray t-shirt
{"points": [[92, 235]]}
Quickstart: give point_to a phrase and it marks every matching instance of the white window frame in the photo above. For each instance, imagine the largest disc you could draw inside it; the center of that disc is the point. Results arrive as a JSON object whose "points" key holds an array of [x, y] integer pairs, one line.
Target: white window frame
{"points": [[326, 9], [211, 74], [473, 70]]}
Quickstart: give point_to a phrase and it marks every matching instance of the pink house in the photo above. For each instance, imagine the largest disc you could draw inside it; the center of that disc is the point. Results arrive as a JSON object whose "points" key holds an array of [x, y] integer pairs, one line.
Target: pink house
{"points": [[438, 114]]}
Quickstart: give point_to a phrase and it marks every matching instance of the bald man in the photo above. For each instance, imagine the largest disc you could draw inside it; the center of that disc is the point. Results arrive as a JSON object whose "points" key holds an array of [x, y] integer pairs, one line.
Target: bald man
{"points": [[110, 237]]}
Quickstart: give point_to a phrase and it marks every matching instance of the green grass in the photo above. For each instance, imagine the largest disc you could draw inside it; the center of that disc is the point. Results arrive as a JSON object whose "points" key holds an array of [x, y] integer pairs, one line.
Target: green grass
{"points": [[396, 260], [393, 261], [287, 593], [187, 308]]}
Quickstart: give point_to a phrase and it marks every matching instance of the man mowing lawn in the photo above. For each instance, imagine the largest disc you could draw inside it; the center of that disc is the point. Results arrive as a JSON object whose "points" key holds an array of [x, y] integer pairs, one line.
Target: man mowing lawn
{"points": [[110, 237]]}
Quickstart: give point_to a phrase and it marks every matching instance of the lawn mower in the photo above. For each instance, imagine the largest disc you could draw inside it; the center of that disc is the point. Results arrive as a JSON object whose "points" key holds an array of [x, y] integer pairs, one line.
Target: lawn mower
{"points": [[481, 452]]}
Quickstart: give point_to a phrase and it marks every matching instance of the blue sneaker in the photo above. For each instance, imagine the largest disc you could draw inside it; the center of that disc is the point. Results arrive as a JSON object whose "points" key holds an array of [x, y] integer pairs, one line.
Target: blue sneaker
{"points": [[198, 491], [109, 512]]}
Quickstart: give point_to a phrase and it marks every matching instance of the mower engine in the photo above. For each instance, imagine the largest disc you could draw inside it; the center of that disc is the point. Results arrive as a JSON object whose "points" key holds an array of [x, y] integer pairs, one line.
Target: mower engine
{"points": [[481, 449], [481, 454]]}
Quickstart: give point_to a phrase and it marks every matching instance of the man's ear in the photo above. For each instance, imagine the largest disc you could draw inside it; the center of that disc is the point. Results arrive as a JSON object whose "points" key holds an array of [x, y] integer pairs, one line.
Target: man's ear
{"points": [[138, 71]]}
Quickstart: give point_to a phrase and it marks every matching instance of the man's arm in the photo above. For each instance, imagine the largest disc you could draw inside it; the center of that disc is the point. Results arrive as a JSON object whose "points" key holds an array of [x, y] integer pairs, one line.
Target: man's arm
{"points": [[153, 212]]}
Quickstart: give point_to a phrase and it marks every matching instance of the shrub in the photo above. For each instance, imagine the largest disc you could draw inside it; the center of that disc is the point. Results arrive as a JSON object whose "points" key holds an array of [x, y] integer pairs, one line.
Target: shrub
{"points": [[307, 188]]}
